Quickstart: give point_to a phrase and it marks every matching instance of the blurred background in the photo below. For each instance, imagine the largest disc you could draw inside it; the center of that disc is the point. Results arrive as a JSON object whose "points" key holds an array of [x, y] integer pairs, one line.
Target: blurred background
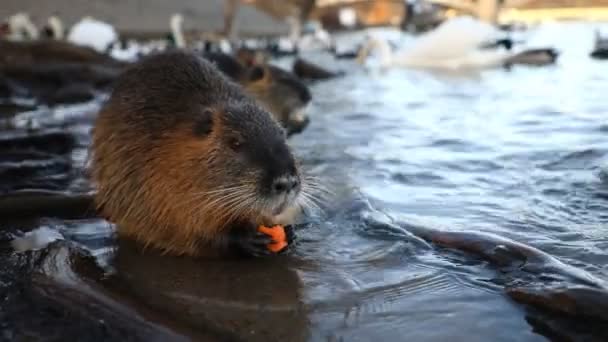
{"points": [[254, 17], [266, 17]]}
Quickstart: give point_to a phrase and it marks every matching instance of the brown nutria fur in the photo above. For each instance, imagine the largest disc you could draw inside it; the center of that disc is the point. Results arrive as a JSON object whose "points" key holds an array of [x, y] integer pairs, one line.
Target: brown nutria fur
{"points": [[278, 91], [184, 161]]}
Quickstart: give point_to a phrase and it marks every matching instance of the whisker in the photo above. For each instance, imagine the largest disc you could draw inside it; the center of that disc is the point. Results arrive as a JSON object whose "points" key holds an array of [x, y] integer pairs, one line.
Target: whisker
{"points": [[310, 202], [320, 197], [233, 191], [223, 189], [229, 197], [237, 209], [317, 186], [313, 204]]}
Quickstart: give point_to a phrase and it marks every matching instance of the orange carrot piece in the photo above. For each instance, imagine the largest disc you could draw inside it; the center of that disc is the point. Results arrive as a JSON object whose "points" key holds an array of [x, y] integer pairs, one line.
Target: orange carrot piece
{"points": [[277, 233]]}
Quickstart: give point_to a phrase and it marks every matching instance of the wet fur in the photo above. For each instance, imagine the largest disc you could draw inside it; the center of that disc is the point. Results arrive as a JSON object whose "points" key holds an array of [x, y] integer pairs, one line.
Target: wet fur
{"points": [[160, 158]]}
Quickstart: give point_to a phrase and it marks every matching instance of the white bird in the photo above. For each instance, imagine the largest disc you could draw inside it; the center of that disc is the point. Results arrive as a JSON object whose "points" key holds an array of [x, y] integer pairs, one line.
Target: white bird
{"points": [[314, 37], [600, 41], [21, 28], [225, 46], [456, 44], [128, 53], [347, 17], [55, 26], [600, 50], [93, 33], [152, 46], [176, 23]]}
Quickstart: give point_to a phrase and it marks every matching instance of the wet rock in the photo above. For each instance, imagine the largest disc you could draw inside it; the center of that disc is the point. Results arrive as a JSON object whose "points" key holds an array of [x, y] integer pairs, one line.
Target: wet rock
{"points": [[9, 110], [559, 328], [52, 295], [47, 142], [37, 204], [71, 94], [307, 70], [562, 302], [237, 299], [39, 52], [600, 54], [54, 173], [534, 57], [60, 292], [58, 83], [583, 302]]}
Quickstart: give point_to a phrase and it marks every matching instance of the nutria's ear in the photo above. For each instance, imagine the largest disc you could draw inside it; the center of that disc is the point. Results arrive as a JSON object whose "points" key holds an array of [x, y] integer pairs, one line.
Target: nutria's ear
{"points": [[249, 58], [258, 74], [244, 58], [5, 29], [203, 124]]}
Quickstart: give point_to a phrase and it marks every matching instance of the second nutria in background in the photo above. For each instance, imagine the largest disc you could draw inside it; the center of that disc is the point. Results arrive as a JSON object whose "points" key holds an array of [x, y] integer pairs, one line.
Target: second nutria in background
{"points": [[277, 90]]}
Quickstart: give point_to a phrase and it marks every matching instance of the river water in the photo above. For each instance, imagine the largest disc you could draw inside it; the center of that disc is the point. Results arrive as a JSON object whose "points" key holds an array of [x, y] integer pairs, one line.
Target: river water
{"points": [[520, 153]]}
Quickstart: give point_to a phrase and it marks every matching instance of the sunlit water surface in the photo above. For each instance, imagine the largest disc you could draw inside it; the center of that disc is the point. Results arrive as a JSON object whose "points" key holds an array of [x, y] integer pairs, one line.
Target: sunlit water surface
{"points": [[520, 153]]}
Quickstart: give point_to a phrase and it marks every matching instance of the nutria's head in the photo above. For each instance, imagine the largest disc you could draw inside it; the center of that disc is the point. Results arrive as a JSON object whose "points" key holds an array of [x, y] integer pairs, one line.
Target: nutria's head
{"points": [[251, 57], [180, 154], [5, 29], [277, 90], [282, 93]]}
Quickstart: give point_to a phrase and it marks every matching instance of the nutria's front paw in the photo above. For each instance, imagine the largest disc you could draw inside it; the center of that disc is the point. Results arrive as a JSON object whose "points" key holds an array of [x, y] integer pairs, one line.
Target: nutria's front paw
{"points": [[252, 243], [290, 238]]}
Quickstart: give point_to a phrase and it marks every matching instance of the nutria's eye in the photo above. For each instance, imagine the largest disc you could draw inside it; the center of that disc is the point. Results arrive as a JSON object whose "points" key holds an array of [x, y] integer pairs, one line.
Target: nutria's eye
{"points": [[203, 125], [256, 73], [235, 143]]}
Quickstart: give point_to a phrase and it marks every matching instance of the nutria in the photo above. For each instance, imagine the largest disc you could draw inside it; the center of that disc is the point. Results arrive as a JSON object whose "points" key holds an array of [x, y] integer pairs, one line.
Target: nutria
{"points": [[278, 90], [283, 94], [185, 162], [251, 57]]}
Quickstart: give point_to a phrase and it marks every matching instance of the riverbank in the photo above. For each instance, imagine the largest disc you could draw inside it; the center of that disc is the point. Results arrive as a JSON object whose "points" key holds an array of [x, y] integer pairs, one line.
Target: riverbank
{"points": [[535, 15]]}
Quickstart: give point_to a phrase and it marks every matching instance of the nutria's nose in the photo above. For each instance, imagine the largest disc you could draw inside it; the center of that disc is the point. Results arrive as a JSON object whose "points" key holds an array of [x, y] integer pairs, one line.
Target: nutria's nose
{"points": [[285, 184], [297, 123]]}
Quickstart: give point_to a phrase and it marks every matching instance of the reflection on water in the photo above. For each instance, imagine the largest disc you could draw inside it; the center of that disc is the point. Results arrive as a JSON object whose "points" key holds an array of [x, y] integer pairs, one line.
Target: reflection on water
{"points": [[518, 153]]}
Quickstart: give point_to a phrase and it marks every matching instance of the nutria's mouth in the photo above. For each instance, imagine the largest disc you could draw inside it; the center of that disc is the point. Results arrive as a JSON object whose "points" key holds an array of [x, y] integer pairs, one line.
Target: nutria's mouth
{"points": [[283, 213], [278, 210], [287, 202], [297, 121]]}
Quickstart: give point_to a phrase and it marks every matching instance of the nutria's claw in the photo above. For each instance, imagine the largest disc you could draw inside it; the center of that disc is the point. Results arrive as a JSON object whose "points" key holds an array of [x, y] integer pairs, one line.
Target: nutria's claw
{"points": [[261, 239], [290, 236], [254, 244]]}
